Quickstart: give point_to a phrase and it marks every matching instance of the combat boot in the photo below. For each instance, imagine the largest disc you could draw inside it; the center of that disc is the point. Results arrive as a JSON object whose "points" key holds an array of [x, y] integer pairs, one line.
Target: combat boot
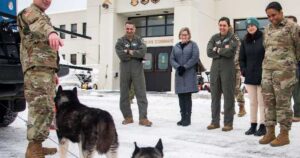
{"points": [[213, 126], [49, 151], [34, 150], [242, 111], [145, 122], [127, 120], [227, 127], [282, 139], [269, 136]]}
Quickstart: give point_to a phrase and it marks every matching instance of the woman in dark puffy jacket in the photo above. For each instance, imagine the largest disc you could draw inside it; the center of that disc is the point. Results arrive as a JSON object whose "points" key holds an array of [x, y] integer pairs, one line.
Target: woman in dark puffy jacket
{"points": [[252, 53], [184, 57]]}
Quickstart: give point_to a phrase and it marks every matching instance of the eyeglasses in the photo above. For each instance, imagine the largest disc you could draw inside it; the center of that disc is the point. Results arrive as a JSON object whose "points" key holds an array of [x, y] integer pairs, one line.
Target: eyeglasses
{"points": [[184, 34]]}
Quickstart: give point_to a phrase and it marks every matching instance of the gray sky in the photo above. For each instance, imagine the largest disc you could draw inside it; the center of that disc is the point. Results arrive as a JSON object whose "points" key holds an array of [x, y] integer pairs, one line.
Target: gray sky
{"points": [[57, 5]]}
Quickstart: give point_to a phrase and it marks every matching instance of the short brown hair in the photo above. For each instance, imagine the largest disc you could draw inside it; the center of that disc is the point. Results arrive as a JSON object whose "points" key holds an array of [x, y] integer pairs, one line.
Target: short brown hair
{"points": [[129, 23], [185, 29]]}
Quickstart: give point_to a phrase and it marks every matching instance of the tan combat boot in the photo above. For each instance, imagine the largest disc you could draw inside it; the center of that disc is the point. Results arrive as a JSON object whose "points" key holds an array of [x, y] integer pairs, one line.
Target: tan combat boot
{"points": [[269, 136], [282, 139], [242, 111], [35, 150], [49, 151], [227, 127], [145, 122], [213, 126], [127, 120]]}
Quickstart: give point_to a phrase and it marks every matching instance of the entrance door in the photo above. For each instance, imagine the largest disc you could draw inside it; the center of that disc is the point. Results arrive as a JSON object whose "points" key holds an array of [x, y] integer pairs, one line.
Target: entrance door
{"points": [[158, 69]]}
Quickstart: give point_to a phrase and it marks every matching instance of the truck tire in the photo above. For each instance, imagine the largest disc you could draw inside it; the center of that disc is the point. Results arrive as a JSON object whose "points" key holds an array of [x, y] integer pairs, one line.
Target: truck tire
{"points": [[6, 115]]}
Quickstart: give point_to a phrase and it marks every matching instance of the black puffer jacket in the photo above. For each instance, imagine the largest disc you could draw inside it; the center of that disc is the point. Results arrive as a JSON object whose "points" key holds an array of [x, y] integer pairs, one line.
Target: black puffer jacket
{"points": [[252, 54]]}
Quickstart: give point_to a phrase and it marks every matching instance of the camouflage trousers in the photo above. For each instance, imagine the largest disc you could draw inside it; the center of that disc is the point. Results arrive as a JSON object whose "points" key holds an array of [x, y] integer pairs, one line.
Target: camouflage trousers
{"points": [[238, 93], [277, 88], [39, 89]]}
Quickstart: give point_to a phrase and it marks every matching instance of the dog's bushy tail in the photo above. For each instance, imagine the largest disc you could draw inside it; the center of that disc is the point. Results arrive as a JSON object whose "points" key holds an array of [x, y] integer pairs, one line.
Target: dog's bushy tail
{"points": [[107, 134]]}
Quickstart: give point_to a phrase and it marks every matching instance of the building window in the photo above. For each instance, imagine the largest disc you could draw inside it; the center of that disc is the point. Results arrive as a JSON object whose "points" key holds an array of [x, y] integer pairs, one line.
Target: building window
{"points": [[83, 59], [74, 59], [84, 28], [64, 56], [154, 26], [74, 30], [240, 26], [61, 34]]}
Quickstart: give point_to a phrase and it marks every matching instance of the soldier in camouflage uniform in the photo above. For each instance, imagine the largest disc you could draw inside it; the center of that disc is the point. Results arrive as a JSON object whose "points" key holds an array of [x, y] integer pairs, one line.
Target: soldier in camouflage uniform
{"points": [[38, 53], [296, 93], [131, 51], [238, 93], [282, 45]]}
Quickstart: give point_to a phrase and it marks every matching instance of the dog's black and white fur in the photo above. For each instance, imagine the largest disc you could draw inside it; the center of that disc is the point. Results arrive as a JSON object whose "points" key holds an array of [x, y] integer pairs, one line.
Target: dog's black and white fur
{"points": [[93, 129], [149, 152]]}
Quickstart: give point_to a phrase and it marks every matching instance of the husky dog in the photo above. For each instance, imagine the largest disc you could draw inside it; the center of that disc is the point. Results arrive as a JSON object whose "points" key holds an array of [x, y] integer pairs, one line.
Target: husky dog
{"points": [[93, 129], [149, 152]]}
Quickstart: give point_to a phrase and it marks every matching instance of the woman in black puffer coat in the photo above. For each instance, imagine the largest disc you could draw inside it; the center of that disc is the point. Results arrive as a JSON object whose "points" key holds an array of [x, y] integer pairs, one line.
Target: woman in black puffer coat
{"points": [[252, 53]]}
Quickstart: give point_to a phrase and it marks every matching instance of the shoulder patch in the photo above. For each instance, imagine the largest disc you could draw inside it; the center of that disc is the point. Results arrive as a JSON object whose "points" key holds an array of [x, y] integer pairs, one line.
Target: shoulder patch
{"points": [[27, 13]]}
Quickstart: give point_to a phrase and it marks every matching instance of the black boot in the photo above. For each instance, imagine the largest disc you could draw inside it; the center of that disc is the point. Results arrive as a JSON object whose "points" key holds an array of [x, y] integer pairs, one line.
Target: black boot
{"points": [[252, 129], [188, 106], [179, 123], [261, 131], [182, 109], [187, 120]]}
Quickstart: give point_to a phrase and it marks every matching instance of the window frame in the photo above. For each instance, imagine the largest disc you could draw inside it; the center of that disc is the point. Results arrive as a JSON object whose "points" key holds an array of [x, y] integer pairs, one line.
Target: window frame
{"points": [[84, 28], [61, 34], [83, 59], [74, 31], [71, 55], [151, 26]]}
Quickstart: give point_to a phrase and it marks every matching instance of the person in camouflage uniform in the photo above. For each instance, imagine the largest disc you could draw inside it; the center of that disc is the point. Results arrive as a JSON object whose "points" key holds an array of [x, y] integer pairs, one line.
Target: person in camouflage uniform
{"points": [[282, 52], [296, 93], [131, 50], [38, 55], [238, 93]]}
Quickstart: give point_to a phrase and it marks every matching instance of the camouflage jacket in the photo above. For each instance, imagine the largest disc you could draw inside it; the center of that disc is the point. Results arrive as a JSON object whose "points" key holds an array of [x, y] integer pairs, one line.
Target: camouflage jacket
{"points": [[282, 45], [237, 54], [137, 45], [34, 28]]}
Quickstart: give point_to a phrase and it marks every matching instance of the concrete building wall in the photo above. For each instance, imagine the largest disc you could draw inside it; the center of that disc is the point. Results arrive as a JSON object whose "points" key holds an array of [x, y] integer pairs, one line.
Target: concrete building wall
{"points": [[72, 45]]}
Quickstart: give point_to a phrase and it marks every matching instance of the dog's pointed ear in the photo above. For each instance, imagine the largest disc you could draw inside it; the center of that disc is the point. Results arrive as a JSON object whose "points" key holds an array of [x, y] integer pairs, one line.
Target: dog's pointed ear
{"points": [[159, 145], [59, 90], [136, 149], [75, 90]]}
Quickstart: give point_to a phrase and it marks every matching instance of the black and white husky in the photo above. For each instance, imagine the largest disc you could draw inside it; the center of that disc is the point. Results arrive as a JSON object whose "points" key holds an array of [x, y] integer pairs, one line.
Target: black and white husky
{"points": [[149, 152], [93, 129]]}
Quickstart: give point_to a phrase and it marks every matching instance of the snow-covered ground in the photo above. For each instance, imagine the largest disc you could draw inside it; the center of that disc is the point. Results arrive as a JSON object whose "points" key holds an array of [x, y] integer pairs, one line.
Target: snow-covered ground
{"points": [[194, 141]]}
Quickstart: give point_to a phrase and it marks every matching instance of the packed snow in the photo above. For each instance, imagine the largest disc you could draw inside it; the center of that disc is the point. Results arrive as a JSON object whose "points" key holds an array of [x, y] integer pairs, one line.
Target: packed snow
{"points": [[194, 141]]}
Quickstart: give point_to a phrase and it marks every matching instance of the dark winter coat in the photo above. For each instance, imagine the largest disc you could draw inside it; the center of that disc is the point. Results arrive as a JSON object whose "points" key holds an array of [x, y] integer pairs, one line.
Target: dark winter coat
{"points": [[252, 54], [187, 57]]}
